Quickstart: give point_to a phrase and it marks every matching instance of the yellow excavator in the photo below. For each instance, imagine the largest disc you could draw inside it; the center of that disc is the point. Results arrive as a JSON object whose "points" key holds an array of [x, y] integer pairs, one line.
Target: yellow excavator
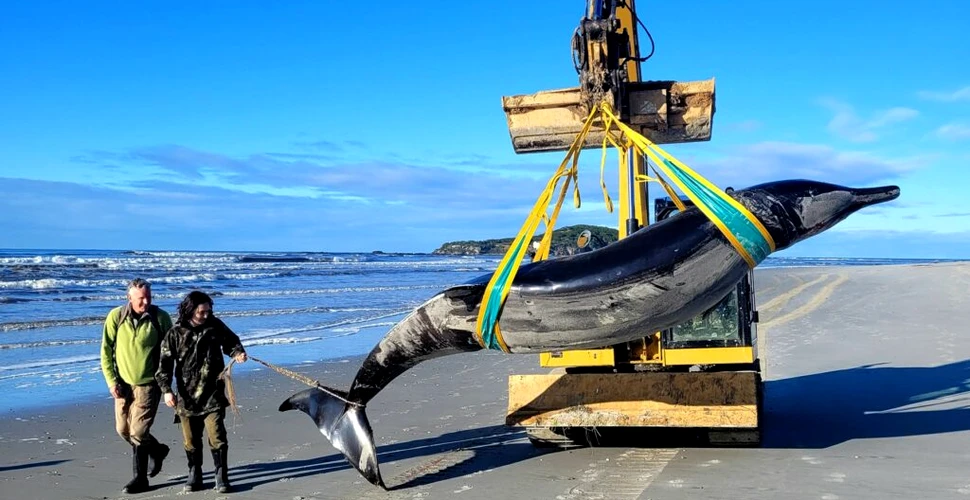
{"points": [[702, 375]]}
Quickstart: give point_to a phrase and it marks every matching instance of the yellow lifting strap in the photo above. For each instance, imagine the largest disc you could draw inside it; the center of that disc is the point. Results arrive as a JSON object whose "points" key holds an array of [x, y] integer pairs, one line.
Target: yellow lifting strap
{"points": [[741, 228], [489, 334]]}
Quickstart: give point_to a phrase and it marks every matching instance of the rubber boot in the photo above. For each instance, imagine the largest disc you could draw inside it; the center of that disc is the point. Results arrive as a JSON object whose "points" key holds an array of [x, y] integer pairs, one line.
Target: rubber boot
{"points": [[158, 453], [139, 468], [222, 471], [193, 482]]}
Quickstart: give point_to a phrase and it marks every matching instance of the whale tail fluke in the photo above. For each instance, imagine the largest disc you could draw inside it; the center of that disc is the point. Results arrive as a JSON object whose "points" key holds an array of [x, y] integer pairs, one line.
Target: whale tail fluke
{"points": [[344, 424]]}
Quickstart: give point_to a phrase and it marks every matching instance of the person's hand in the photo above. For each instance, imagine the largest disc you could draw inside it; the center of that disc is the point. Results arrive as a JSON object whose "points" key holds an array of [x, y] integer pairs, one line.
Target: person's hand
{"points": [[116, 392], [241, 357], [170, 400]]}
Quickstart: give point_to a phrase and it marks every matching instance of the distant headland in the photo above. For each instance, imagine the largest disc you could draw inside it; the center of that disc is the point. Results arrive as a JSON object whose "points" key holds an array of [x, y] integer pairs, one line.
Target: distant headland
{"points": [[564, 242]]}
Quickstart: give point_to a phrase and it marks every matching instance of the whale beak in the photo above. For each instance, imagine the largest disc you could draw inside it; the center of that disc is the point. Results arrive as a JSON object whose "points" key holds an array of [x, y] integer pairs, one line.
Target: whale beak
{"points": [[870, 196]]}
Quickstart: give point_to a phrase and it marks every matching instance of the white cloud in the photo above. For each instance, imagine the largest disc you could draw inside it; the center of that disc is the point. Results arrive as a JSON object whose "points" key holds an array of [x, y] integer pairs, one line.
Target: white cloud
{"points": [[954, 131], [847, 124], [962, 94], [744, 126], [769, 161]]}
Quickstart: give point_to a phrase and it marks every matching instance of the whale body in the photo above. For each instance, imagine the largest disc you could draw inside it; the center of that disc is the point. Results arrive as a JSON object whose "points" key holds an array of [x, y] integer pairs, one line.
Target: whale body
{"points": [[654, 279]]}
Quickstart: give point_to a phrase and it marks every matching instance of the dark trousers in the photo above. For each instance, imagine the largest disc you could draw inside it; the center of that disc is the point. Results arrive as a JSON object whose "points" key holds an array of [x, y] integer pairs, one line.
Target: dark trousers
{"points": [[215, 428]]}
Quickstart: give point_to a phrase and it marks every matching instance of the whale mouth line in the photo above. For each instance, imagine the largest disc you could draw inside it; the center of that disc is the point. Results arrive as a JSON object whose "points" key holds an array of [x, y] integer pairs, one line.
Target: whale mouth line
{"points": [[870, 196]]}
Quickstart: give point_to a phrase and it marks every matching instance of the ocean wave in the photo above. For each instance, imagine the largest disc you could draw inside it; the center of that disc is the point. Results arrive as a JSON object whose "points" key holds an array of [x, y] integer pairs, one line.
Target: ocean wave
{"points": [[48, 343], [247, 293], [60, 284], [13, 300], [58, 374], [97, 320], [277, 332], [49, 323], [48, 363], [255, 259], [338, 329], [42, 260], [294, 310], [155, 260], [282, 340], [350, 330], [353, 289], [344, 331]]}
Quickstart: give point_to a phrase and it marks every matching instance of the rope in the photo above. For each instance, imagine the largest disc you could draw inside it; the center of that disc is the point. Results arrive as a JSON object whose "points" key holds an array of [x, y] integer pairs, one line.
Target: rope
{"points": [[226, 375]]}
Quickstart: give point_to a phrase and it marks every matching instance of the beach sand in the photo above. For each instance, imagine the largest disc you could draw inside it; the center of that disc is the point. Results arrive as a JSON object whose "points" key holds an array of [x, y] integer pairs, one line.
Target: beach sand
{"points": [[866, 377]]}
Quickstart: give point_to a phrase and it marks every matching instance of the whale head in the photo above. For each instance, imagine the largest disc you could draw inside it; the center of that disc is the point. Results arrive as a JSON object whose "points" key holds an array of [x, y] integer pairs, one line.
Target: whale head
{"points": [[793, 210]]}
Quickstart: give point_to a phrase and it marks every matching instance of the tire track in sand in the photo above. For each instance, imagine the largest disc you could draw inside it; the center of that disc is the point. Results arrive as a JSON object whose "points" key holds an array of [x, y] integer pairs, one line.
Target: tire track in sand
{"points": [[817, 300], [623, 477], [780, 301]]}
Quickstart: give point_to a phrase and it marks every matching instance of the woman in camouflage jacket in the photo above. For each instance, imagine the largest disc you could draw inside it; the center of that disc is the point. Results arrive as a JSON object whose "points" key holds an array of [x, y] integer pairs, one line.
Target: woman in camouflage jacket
{"points": [[192, 352]]}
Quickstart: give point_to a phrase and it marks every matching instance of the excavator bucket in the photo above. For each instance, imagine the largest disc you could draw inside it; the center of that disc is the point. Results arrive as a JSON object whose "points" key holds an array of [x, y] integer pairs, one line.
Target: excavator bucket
{"points": [[663, 111]]}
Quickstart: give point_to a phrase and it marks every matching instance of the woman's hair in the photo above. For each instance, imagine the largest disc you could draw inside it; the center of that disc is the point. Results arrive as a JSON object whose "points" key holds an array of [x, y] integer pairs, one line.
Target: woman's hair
{"points": [[191, 301]]}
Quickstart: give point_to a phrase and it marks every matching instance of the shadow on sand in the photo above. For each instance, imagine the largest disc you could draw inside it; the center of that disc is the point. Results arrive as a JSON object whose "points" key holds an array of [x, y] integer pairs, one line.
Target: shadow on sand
{"points": [[31, 465], [811, 411], [871, 401], [825, 409], [467, 451]]}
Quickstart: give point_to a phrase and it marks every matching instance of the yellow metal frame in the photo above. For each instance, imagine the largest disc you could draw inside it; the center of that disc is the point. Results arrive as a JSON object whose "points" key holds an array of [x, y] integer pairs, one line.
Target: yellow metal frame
{"points": [[625, 14], [713, 400], [580, 357], [636, 193], [605, 356], [668, 357], [709, 356], [723, 400]]}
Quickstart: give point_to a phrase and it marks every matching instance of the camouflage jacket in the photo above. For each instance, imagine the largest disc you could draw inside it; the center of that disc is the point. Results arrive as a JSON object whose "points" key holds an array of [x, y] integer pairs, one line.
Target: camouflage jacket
{"points": [[194, 356]]}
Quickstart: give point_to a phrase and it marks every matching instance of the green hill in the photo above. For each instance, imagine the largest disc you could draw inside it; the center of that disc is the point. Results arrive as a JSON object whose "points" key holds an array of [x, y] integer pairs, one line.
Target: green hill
{"points": [[563, 242]]}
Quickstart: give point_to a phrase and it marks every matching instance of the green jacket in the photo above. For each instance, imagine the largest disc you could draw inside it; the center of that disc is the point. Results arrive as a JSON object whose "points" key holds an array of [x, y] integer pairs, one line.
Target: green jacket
{"points": [[129, 345]]}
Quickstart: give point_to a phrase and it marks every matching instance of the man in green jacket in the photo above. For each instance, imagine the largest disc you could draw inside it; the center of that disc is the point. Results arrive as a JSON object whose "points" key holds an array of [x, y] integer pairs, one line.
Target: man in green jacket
{"points": [[130, 345]]}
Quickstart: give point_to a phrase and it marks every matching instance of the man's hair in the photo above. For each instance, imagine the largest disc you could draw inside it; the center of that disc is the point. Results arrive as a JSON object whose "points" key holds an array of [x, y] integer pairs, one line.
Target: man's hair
{"points": [[139, 283]]}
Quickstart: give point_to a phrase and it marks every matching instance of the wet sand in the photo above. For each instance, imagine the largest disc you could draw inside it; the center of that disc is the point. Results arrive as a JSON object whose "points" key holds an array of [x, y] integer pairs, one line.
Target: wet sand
{"points": [[867, 372]]}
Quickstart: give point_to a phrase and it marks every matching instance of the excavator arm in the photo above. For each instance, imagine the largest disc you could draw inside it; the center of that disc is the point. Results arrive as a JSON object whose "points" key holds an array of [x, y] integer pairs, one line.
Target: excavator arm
{"points": [[644, 383], [607, 58]]}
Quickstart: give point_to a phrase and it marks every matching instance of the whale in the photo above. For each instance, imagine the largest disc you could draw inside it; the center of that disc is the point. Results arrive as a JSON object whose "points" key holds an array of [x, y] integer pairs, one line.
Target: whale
{"points": [[653, 279]]}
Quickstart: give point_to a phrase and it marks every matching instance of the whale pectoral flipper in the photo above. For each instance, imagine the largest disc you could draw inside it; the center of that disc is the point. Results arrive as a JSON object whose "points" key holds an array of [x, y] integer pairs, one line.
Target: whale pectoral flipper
{"points": [[344, 424]]}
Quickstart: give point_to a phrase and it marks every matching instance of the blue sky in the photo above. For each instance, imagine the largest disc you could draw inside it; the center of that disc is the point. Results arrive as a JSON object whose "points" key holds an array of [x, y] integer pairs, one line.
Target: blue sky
{"points": [[378, 125]]}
